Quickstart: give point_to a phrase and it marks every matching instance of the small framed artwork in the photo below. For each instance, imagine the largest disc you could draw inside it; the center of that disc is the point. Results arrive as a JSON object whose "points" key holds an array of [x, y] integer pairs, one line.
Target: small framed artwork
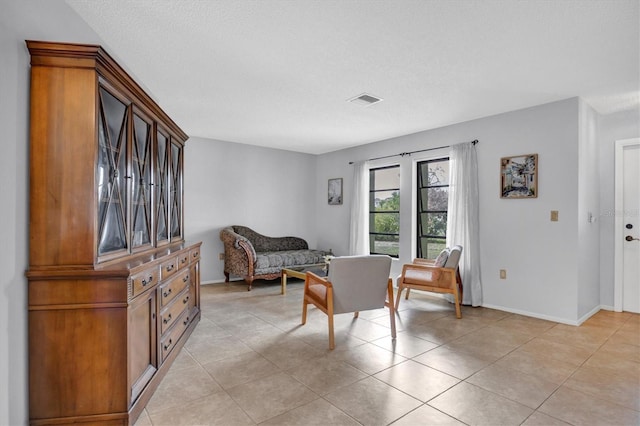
{"points": [[519, 176], [335, 192]]}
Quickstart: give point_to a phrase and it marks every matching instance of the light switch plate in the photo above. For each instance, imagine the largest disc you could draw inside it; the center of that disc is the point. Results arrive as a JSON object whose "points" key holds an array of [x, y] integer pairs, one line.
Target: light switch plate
{"points": [[554, 215]]}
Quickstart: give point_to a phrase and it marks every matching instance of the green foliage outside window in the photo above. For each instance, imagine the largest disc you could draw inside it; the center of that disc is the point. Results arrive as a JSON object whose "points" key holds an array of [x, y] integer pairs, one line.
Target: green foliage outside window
{"points": [[433, 199], [384, 211]]}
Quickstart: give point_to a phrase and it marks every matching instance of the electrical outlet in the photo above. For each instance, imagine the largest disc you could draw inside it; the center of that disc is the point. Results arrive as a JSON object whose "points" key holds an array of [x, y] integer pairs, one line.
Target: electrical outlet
{"points": [[221, 256], [503, 274]]}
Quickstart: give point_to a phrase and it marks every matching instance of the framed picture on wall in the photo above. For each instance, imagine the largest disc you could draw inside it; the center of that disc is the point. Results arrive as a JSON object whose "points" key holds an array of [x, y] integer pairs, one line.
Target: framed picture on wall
{"points": [[335, 191], [519, 176]]}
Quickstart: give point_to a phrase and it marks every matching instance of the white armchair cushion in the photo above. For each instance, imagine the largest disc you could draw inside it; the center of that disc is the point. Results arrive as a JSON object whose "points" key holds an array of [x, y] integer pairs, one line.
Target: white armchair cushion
{"points": [[359, 282]]}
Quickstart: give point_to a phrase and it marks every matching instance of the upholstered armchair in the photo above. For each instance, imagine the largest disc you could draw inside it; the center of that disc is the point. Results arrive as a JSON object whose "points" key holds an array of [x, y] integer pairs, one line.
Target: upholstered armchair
{"points": [[355, 283], [440, 275]]}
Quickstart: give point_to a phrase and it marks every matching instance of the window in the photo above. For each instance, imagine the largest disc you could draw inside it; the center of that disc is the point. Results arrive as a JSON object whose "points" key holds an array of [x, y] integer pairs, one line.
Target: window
{"points": [[384, 210], [433, 198]]}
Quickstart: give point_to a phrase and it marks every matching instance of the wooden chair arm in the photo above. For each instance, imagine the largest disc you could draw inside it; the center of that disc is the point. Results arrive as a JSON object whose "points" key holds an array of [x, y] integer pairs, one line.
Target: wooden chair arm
{"points": [[427, 268], [312, 278], [421, 261]]}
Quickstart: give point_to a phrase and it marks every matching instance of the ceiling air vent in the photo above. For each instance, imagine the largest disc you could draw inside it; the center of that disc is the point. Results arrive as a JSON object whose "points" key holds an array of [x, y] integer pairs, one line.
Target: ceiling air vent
{"points": [[365, 99]]}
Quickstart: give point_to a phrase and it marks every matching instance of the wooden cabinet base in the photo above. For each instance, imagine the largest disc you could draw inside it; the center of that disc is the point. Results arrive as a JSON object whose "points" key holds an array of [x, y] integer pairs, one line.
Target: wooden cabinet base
{"points": [[130, 417], [97, 348]]}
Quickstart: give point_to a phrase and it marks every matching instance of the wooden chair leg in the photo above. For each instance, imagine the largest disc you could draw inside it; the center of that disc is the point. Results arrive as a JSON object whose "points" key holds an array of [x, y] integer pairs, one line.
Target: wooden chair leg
{"points": [[459, 282], [356, 314], [392, 312], [407, 296], [332, 340], [400, 288], [456, 300], [304, 311]]}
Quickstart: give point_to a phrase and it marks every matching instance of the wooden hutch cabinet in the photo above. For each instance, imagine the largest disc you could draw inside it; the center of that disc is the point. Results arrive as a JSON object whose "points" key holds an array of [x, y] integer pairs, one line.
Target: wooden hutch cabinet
{"points": [[113, 286]]}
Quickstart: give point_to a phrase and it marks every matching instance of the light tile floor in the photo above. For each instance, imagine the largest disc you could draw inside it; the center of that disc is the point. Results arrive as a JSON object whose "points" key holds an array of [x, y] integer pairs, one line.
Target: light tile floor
{"points": [[249, 361]]}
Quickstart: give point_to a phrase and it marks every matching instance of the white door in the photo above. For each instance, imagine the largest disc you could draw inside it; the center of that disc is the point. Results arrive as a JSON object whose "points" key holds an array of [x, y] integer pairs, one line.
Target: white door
{"points": [[628, 223]]}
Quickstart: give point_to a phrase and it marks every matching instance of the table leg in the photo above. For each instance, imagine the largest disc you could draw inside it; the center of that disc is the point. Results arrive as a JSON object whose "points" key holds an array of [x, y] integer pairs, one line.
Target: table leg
{"points": [[284, 283]]}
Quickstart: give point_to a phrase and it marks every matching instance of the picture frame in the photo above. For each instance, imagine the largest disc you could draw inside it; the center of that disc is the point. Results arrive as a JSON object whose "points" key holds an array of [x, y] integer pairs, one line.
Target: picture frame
{"points": [[519, 176], [334, 192]]}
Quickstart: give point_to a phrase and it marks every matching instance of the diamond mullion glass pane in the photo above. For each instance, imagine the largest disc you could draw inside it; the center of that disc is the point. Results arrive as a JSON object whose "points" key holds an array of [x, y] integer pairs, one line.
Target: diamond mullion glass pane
{"points": [[176, 210], [141, 182], [103, 172], [113, 237], [122, 173], [112, 139], [161, 189]]}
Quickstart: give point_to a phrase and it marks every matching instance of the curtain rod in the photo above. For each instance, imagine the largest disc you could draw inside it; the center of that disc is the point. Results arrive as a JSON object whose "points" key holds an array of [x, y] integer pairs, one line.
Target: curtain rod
{"points": [[402, 154]]}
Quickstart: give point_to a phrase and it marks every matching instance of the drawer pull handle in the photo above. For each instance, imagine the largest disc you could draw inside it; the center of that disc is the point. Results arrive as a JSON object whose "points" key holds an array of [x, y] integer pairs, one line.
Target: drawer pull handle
{"points": [[195, 254], [166, 293], [183, 260], [167, 319], [168, 344], [147, 281], [186, 321], [185, 279], [170, 267], [185, 300]]}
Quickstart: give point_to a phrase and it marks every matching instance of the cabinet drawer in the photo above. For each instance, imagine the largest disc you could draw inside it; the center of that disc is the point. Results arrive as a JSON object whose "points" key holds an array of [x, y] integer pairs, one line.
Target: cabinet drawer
{"points": [[183, 260], [171, 289], [169, 340], [194, 254], [168, 268], [144, 280], [172, 312]]}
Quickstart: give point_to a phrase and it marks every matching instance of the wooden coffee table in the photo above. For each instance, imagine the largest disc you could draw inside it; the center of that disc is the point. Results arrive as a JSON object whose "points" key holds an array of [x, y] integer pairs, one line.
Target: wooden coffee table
{"points": [[301, 273]]}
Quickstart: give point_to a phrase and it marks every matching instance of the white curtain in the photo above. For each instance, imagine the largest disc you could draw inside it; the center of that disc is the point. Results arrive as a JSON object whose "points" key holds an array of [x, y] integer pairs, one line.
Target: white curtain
{"points": [[463, 223], [359, 229]]}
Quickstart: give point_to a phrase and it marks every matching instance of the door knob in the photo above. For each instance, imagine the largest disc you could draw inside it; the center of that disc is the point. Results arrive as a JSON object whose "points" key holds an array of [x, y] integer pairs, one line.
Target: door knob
{"points": [[630, 238]]}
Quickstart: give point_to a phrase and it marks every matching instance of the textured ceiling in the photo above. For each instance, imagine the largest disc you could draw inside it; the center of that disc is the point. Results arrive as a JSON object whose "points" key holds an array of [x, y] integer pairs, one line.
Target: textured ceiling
{"points": [[279, 73]]}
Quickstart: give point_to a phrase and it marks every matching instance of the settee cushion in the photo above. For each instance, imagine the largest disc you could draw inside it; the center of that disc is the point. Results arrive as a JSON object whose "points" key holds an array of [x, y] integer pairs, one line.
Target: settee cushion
{"points": [[273, 261]]}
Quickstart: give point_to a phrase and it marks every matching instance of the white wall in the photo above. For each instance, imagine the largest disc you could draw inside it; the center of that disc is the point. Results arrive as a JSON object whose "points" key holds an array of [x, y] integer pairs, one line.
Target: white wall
{"points": [[612, 127], [20, 20], [588, 208], [271, 191], [541, 257]]}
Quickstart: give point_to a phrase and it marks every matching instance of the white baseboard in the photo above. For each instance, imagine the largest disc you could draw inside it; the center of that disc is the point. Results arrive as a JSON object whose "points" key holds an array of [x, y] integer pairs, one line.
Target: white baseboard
{"points": [[589, 314], [218, 281], [532, 314]]}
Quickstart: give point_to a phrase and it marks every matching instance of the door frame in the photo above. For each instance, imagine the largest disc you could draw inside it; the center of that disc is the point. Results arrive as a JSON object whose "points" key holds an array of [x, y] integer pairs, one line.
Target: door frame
{"points": [[618, 233]]}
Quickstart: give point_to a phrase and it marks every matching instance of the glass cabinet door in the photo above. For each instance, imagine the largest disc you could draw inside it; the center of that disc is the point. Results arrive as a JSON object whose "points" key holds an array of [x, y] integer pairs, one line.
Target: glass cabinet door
{"points": [[161, 188], [111, 172], [175, 197], [141, 183]]}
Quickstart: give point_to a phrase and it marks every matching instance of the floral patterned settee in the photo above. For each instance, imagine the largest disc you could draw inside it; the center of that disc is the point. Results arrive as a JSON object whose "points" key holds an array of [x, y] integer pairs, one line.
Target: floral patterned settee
{"points": [[252, 255]]}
